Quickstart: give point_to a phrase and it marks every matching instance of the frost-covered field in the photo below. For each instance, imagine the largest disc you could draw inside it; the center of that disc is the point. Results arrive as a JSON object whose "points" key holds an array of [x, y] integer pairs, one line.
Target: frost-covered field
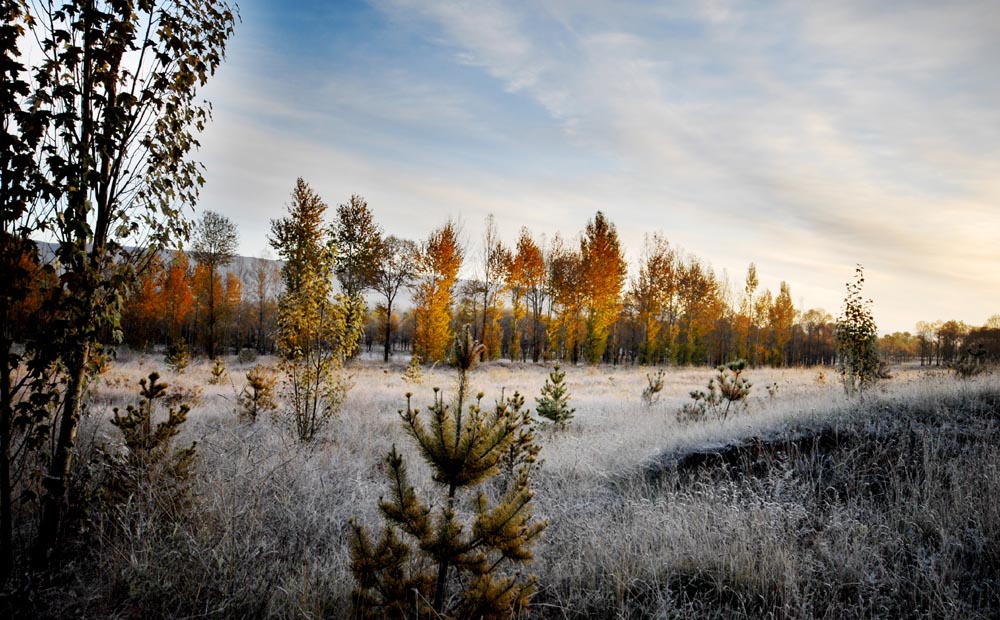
{"points": [[267, 534]]}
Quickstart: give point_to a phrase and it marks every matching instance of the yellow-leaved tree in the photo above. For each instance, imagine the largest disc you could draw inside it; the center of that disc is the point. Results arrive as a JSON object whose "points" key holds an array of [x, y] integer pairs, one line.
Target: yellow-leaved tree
{"points": [[603, 270], [317, 330], [438, 262]]}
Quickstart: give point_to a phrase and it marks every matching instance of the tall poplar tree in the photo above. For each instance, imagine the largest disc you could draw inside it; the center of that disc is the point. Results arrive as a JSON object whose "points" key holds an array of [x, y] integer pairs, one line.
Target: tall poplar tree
{"points": [[108, 105], [527, 281], [438, 263], [603, 267], [214, 247]]}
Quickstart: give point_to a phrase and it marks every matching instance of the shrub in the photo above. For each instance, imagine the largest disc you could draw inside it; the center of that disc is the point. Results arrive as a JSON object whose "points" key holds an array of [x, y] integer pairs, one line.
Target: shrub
{"points": [[728, 389], [247, 355], [553, 404], [971, 363], [177, 357], [651, 393], [258, 393], [218, 371], [414, 371], [425, 551]]}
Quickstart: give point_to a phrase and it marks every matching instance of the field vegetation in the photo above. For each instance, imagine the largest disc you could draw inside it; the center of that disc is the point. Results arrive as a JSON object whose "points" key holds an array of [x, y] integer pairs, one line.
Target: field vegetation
{"points": [[805, 503]]}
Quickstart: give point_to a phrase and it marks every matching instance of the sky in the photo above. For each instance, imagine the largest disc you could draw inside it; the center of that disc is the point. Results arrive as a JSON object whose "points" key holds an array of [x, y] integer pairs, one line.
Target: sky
{"points": [[806, 137]]}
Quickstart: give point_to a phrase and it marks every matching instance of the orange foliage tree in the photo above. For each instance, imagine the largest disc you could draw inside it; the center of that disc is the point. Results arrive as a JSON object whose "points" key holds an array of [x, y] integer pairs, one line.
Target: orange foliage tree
{"points": [[177, 295], [525, 278], [438, 262]]}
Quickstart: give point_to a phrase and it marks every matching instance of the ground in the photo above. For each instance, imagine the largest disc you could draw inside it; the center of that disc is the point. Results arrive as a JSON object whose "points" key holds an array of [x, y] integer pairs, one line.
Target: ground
{"points": [[809, 504]]}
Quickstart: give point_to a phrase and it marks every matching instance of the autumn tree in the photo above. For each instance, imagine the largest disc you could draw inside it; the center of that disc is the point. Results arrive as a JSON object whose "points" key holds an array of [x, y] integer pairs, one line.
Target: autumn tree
{"points": [[177, 295], [699, 307], [143, 307], [438, 262], [650, 293], [567, 328], [109, 100], [214, 246], [745, 319], [397, 267], [495, 266], [526, 280], [262, 281], [359, 246], [603, 270], [317, 331], [781, 317]]}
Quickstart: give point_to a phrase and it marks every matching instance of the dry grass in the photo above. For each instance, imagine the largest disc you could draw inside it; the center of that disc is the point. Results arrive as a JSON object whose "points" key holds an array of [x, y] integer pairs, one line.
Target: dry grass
{"points": [[898, 520]]}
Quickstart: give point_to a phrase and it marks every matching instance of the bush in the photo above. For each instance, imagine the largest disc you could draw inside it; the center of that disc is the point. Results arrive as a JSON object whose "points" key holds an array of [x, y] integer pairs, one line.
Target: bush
{"points": [[258, 393], [414, 371], [247, 355], [726, 390], [971, 363], [651, 393], [553, 404], [148, 461]]}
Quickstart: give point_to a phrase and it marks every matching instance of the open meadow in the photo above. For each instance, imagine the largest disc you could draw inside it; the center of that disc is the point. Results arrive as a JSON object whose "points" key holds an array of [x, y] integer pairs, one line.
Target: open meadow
{"points": [[807, 505]]}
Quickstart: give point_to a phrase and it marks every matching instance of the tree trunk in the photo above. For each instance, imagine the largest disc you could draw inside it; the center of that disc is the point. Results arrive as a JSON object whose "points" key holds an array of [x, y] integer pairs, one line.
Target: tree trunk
{"points": [[388, 330], [6, 419], [62, 461]]}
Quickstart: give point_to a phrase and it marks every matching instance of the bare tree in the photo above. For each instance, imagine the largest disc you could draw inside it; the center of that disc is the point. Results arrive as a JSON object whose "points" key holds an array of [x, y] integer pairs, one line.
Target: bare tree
{"points": [[496, 266]]}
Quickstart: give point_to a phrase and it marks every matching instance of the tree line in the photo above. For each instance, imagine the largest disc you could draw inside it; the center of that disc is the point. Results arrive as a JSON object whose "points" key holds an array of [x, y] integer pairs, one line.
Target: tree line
{"points": [[563, 299]]}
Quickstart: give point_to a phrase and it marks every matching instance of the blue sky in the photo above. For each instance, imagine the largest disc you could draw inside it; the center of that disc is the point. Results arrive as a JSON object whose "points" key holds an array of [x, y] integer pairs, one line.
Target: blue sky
{"points": [[803, 136]]}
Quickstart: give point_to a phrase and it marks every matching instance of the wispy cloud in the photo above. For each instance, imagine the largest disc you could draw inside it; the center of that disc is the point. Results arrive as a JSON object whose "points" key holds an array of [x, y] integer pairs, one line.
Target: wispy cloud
{"points": [[799, 135]]}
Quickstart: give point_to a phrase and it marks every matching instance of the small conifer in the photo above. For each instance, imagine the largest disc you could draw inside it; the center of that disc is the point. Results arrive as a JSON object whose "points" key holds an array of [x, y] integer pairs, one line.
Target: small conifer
{"points": [[218, 371], [177, 357], [553, 404], [259, 392], [148, 458], [727, 389], [426, 552], [414, 371]]}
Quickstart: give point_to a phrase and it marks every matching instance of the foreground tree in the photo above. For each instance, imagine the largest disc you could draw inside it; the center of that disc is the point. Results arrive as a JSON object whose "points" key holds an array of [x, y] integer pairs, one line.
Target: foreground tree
{"points": [[214, 247], [426, 551], [396, 269], [317, 331], [110, 111]]}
